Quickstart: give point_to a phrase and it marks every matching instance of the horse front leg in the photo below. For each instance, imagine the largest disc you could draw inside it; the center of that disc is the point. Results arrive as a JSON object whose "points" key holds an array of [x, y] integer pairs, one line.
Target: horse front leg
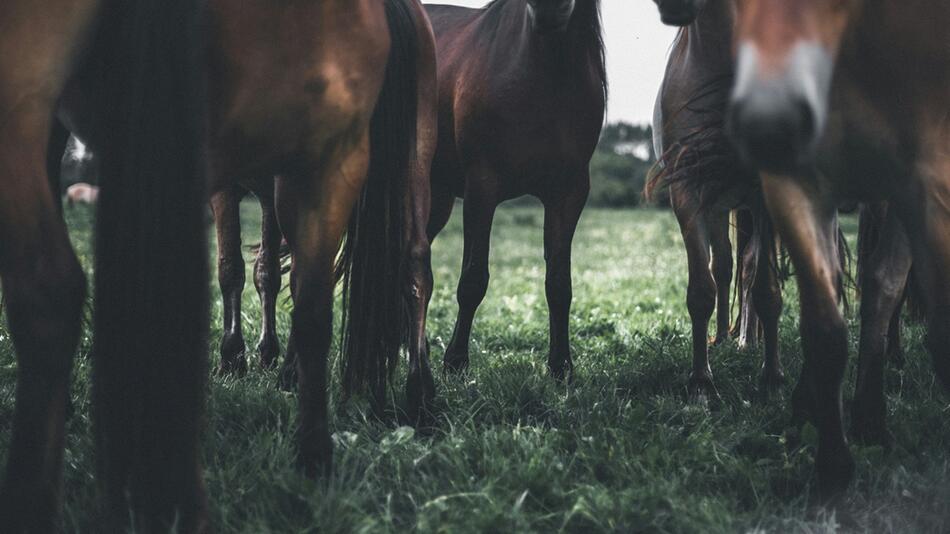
{"points": [[44, 290], [226, 207], [478, 213], [806, 226], [314, 212], [560, 222], [267, 276], [700, 292]]}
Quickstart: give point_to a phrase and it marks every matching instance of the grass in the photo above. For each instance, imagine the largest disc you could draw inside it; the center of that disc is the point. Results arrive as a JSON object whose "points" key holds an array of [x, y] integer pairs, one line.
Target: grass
{"points": [[618, 451]]}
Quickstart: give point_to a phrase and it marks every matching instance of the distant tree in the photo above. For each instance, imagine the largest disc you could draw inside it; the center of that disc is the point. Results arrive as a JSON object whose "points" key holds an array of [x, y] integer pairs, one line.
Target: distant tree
{"points": [[620, 165]]}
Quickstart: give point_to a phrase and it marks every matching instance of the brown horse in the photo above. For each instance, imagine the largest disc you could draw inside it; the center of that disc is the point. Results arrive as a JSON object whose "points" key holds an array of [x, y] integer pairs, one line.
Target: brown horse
{"points": [[342, 139], [405, 275], [859, 91], [522, 90], [151, 291], [707, 181]]}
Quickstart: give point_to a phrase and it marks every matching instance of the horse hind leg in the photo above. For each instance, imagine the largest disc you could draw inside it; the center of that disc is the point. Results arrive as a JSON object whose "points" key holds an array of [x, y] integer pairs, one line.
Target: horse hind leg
{"points": [[267, 276], [884, 280], [722, 266], [747, 323], [44, 290], [226, 206]]}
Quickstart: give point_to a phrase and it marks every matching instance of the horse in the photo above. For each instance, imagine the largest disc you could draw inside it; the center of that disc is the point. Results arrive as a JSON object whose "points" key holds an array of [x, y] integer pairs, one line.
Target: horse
{"points": [[82, 193], [150, 318], [707, 181], [830, 103], [522, 91], [348, 129]]}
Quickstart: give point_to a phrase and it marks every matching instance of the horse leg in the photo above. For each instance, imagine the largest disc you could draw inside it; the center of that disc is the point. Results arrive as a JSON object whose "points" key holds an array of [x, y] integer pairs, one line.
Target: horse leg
{"points": [[746, 254], [314, 214], [443, 200], [420, 386], [884, 279], [767, 301], [58, 139], [722, 273], [895, 347], [44, 290], [560, 222], [226, 206], [700, 294], [267, 275], [808, 229], [287, 376], [478, 213]]}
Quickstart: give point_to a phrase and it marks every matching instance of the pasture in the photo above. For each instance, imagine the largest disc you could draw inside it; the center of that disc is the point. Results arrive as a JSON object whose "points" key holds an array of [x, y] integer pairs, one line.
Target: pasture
{"points": [[512, 451]]}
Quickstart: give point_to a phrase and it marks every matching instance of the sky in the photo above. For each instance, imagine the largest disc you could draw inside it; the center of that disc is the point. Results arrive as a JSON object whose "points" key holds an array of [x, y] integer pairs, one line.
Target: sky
{"points": [[637, 45]]}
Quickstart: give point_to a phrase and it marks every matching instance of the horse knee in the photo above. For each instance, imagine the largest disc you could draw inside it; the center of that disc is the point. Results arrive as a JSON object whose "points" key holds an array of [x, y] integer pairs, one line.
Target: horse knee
{"points": [[825, 339], [231, 274], [700, 300], [473, 285], [420, 267], [266, 275], [44, 309]]}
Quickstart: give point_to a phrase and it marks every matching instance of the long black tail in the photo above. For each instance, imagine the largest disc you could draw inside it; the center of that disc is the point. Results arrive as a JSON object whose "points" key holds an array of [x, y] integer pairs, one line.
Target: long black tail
{"points": [[373, 261], [151, 307]]}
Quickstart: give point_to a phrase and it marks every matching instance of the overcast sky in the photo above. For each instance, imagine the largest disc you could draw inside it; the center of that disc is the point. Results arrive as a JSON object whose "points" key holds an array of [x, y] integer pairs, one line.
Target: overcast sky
{"points": [[636, 54]]}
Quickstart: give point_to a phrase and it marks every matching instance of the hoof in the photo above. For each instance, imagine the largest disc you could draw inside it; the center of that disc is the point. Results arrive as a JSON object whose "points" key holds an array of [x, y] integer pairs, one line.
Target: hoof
{"points": [[771, 382], [315, 458], [420, 394], [454, 362], [702, 390], [835, 473], [269, 351], [869, 426]]}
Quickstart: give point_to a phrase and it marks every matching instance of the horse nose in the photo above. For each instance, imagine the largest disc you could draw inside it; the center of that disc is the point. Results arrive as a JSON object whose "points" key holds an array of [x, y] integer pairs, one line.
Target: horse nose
{"points": [[773, 128]]}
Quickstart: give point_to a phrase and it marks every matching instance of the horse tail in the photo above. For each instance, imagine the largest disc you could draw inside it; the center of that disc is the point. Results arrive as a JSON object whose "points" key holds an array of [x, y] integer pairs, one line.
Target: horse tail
{"points": [[151, 291], [373, 262]]}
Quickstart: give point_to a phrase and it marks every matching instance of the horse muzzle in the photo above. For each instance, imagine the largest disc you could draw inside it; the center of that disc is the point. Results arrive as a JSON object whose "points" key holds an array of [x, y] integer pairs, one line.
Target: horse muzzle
{"points": [[678, 12], [777, 115]]}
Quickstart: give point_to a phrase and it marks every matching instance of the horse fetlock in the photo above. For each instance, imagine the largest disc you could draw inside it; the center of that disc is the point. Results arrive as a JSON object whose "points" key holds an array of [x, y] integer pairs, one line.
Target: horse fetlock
{"points": [[233, 359], [315, 455], [869, 421], [269, 350]]}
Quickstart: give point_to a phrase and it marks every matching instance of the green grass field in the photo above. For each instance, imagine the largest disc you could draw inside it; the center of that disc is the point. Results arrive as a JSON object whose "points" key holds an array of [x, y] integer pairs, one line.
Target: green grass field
{"points": [[620, 450]]}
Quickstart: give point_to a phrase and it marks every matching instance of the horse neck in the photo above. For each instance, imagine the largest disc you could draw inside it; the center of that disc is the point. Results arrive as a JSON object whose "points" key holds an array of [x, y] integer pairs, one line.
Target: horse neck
{"points": [[580, 39], [710, 35]]}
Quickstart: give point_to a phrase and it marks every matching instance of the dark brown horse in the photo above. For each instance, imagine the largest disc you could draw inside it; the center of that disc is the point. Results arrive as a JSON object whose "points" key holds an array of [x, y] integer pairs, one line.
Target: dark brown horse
{"points": [[522, 90], [151, 291], [859, 91], [707, 181]]}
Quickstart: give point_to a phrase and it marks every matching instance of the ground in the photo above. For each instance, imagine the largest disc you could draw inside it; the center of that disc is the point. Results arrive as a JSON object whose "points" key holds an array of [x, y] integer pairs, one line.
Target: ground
{"points": [[620, 450]]}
